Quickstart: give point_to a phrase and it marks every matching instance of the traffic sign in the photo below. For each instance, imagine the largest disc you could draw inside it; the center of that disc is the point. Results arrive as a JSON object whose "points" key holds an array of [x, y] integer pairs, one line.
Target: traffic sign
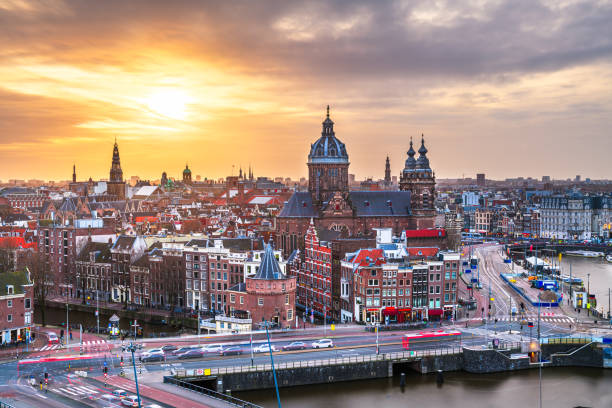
{"points": [[529, 324], [333, 327]]}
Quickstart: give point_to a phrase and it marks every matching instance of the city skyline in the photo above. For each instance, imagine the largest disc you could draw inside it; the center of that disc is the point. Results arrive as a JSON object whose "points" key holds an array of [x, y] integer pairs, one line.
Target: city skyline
{"points": [[247, 83]]}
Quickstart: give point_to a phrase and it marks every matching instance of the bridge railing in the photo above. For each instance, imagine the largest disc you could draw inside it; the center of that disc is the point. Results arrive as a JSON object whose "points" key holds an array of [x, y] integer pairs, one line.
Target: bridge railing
{"points": [[213, 394], [401, 355]]}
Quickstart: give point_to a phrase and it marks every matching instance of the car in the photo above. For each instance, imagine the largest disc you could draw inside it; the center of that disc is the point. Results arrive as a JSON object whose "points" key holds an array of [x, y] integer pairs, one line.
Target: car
{"points": [[322, 343], [184, 349], [130, 401], [53, 339], [155, 350], [156, 356], [296, 345], [121, 394], [168, 348], [231, 350], [152, 406], [193, 353], [109, 400], [264, 348], [212, 348]]}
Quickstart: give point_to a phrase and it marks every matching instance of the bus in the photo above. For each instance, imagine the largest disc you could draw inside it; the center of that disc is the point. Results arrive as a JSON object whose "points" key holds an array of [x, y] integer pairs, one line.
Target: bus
{"points": [[430, 337]]}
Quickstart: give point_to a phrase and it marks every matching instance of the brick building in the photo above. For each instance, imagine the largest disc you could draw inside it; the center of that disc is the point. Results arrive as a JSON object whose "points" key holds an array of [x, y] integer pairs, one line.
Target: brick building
{"points": [[269, 295], [332, 206], [16, 306], [63, 243]]}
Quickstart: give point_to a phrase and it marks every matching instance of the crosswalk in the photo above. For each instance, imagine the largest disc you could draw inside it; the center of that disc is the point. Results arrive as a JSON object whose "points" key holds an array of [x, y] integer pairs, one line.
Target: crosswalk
{"points": [[549, 317], [73, 390], [86, 345]]}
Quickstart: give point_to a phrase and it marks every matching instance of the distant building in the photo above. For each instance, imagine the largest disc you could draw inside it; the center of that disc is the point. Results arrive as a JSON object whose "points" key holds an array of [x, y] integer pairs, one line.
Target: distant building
{"points": [[116, 184], [480, 179], [545, 179]]}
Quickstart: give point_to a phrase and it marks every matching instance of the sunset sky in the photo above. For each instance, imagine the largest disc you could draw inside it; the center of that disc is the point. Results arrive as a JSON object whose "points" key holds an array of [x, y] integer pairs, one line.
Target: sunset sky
{"points": [[505, 87]]}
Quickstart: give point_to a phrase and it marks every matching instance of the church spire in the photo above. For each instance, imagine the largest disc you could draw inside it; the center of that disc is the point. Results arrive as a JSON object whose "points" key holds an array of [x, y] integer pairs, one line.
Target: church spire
{"points": [[423, 161], [116, 174], [327, 111], [387, 171], [73, 173]]}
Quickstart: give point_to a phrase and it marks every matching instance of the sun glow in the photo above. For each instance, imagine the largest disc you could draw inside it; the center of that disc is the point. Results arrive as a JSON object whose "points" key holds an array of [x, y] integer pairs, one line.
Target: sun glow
{"points": [[169, 103]]}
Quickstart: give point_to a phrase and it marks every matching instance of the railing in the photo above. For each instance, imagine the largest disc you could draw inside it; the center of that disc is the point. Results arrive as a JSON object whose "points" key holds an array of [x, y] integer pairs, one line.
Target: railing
{"points": [[5, 405], [213, 394], [325, 362]]}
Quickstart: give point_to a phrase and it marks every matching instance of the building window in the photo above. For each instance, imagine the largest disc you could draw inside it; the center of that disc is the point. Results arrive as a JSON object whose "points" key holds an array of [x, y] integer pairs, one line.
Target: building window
{"points": [[9, 317], [9, 303], [10, 290], [28, 303], [233, 298], [242, 300], [286, 299], [260, 301], [289, 314]]}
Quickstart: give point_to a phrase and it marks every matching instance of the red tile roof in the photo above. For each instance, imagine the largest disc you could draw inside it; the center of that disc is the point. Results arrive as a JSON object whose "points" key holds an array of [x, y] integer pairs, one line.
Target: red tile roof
{"points": [[423, 252]]}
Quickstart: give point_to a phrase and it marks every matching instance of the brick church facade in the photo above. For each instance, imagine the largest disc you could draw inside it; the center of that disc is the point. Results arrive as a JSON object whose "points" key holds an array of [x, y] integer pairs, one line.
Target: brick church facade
{"points": [[330, 204]]}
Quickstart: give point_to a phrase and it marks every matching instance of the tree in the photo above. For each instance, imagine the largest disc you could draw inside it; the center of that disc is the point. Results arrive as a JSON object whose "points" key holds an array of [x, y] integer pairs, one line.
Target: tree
{"points": [[7, 251], [44, 279]]}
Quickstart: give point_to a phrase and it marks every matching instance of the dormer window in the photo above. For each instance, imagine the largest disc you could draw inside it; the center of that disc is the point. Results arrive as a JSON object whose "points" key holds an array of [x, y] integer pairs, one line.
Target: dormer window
{"points": [[10, 290]]}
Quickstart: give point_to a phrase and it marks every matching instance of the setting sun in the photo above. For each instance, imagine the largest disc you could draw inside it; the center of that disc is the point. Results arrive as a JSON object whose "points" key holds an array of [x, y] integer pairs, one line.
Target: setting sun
{"points": [[169, 103]]}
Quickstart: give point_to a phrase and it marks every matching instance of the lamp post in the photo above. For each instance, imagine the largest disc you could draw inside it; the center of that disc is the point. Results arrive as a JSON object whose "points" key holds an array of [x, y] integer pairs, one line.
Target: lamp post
{"points": [[97, 313], [266, 323], [588, 291], [131, 348]]}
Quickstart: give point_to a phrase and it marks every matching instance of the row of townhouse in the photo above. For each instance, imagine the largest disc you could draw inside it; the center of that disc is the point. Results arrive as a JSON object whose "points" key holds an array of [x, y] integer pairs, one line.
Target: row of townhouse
{"points": [[380, 289]]}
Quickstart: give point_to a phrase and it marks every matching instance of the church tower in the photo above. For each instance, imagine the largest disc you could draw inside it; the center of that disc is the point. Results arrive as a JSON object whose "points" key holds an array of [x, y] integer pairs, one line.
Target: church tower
{"points": [[387, 172], [74, 173], [327, 164], [116, 185], [187, 175], [418, 178]]}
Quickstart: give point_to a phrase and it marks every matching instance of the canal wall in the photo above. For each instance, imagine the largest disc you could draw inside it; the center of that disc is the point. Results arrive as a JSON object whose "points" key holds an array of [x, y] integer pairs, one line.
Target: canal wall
{"points": [[472, 360], [302, 376]]}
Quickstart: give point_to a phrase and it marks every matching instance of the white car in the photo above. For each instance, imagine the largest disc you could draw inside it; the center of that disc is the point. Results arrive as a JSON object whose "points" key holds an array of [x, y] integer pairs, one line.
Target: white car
{"points": [[322, 343], [264, 348], [153, 351], [130, 401], [212, 348]]}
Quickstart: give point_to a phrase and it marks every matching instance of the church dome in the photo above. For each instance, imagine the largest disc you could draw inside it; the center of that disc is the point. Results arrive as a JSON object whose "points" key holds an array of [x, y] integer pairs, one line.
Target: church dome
{"points": [[423, 162], [328, 149], [410, 161], [186, 171]]}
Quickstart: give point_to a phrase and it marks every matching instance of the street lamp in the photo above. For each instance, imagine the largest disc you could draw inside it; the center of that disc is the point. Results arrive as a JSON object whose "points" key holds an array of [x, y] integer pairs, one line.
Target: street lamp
{"points": [[588, 292], [131, 348]]}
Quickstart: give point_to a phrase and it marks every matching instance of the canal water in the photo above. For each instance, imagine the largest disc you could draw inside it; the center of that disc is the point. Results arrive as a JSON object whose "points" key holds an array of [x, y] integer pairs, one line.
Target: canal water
{"points": [[600, 275], [561, 388]]}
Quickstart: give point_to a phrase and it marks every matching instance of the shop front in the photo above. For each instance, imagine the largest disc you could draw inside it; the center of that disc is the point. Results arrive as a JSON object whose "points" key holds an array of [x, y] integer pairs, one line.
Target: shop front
{"points": [[372, 316], [435, 314]]}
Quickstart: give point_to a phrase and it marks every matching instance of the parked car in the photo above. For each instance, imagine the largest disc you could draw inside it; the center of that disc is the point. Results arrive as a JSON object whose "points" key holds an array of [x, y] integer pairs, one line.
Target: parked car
{"points": [[130, 401], [155, 350], [168, 348], [184, 349], [296, 345], [120, 393], [322, 343], [231, 350], [212, 348], [156, 356], [193, 353], [52, 338], [264, 348]]}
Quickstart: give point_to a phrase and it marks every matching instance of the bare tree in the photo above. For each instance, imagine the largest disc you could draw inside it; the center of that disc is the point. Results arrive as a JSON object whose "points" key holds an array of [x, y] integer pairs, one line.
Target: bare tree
{"points": [[43, 277], [7, 261]]}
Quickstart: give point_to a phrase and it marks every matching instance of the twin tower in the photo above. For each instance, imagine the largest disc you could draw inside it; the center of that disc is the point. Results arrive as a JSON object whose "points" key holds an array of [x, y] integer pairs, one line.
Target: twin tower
{"points": [[328, 165]]}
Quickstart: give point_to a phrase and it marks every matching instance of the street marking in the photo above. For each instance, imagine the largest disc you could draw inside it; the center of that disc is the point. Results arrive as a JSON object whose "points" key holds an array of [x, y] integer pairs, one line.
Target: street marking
{"points": [[67, 391]]}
